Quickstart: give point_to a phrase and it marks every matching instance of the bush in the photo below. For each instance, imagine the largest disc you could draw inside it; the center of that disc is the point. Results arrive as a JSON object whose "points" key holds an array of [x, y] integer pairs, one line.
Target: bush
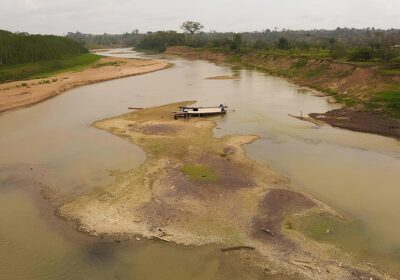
{"points": [[159, 41], [283, 44], [338, 51], [362, 54]]}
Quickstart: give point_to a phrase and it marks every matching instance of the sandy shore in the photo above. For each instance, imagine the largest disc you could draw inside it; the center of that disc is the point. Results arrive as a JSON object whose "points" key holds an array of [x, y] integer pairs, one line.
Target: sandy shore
{"points": [[19, 94], [195, 189]]}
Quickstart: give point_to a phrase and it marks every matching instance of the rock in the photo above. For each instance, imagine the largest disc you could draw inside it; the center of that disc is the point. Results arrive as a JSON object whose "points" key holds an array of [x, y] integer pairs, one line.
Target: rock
{"points": [[331, 100]]}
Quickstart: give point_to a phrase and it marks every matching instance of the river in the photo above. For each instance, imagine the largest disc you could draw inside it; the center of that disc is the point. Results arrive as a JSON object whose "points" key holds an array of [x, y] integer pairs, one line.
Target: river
{"points": [[52, 144]]}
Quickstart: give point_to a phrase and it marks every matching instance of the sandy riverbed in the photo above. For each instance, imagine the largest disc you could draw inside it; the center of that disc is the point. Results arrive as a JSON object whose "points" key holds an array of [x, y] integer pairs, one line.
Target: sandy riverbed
{"points": [[195, 189], [24, 93]]}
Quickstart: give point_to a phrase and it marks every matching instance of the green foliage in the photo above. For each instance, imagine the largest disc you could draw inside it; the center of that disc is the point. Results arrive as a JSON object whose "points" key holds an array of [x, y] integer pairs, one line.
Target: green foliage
{"points": [[362, 54], [46, 68], [391, 69], [105, 40], [199, 172], [109, 63], [192, 26], [236, 42], [159, 41], [17, 48], [301, 62], [390, 100], [338, 51], [387, 54], [283, 44]]}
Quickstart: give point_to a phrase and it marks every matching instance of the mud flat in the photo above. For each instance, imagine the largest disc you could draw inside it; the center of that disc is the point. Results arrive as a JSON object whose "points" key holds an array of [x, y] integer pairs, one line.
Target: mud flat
{"points": [[360, 121], [24, 93], [195, 189]]}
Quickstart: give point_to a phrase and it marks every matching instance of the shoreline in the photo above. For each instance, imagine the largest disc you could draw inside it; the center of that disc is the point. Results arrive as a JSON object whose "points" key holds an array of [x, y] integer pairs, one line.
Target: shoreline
{"points": [[359, 121], [25, 93], [213, 194], [350, 87]]}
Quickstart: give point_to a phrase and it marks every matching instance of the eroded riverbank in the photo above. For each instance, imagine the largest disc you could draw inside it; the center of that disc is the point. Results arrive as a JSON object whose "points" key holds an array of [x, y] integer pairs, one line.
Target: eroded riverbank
{"points": [[57, 149], [357, 87], [19, 94], [195, 189]]}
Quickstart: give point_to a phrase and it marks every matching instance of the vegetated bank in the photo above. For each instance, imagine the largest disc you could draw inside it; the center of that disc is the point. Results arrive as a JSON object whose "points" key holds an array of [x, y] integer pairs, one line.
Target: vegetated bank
{"points": [[360, 68], [362, 87], [34, 68], [25, 56]]}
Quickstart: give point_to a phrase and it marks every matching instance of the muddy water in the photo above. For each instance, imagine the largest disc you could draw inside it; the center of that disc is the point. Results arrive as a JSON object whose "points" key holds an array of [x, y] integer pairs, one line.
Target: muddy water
{"points": [[51, 144]]}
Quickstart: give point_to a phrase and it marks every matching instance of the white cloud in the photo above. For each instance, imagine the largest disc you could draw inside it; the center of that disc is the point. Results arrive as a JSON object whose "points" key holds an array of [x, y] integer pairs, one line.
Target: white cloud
{"points": [[98, 16]]}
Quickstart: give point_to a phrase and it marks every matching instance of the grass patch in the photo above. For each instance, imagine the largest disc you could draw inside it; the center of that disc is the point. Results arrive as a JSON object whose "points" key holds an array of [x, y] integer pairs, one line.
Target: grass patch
{"points": [[349, 101], [234, 59], [199, 172], [44, 69], [390, 100], [301, 63], [109, 63]]}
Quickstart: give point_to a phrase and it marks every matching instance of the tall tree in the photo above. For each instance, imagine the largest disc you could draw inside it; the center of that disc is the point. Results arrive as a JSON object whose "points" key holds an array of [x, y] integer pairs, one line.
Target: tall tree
{"points": [[192, 26]]}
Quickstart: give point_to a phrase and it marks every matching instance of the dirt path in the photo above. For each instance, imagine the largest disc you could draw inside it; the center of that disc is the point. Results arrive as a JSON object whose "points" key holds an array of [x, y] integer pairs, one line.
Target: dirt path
{"points": [[195, 189], [19, 94]]}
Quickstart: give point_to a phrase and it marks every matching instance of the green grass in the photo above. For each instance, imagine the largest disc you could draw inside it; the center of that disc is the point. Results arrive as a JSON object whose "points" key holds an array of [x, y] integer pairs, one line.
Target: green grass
{"points": [[349, 101], [199, 172], [44, 69], [389, 99], [110, 63]]}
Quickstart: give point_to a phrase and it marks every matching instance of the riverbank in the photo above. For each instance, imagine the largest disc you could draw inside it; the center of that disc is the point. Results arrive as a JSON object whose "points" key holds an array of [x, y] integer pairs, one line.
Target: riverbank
{"points": [[361, 88], [195, 189], [19, 94]]}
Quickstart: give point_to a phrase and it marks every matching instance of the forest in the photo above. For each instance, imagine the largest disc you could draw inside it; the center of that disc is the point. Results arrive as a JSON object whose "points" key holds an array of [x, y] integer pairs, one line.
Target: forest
{"points": [[19, 48], [341, 43]]}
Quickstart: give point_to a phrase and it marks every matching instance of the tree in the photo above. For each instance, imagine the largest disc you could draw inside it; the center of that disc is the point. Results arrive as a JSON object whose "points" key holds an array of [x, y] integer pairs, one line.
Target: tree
{"points": [[192, 26], [236, 42], [361, 54], [283, 44]]}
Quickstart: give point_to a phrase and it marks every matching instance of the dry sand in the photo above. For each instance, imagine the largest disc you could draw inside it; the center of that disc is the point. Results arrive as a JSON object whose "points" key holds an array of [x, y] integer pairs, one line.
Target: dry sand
{"points": [[18, 94]]}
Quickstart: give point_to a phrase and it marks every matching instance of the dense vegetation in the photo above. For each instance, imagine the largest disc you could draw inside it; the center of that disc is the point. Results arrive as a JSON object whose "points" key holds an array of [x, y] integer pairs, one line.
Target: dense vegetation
{"points": [[105, 40], [366, 44], [18, 48], [341, 43], [45, 68]]}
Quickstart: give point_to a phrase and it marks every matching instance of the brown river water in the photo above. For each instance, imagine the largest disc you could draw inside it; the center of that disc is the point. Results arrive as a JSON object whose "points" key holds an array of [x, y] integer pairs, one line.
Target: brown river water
{"points": [[52, 144]]}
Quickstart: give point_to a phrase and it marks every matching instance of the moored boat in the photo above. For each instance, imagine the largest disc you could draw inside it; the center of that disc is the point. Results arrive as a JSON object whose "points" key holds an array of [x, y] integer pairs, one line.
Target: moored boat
{"points": [[187, 112]]}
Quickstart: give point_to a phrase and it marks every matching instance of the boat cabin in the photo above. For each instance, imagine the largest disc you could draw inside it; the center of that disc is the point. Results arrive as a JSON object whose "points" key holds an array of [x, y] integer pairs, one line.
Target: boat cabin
{"points": [[187, 112]]}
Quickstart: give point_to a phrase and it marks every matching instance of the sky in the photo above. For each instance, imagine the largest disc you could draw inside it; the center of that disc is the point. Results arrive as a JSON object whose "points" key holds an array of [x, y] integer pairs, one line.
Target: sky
{"points": [[118, 16]]}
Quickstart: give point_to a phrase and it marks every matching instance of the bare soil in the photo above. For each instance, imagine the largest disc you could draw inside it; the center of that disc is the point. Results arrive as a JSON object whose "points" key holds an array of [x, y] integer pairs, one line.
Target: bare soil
{"points": [[234, 204], [19, 94], [360, 121]]}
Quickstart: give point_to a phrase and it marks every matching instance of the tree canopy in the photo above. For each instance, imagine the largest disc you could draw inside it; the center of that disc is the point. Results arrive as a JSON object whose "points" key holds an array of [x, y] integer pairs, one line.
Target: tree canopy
{"points": [[16, 48], [192, 26]]}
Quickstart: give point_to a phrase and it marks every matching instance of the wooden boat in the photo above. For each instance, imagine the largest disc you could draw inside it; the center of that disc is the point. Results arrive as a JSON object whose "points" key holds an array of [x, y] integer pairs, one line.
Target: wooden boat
{"points": [[188, 112]]}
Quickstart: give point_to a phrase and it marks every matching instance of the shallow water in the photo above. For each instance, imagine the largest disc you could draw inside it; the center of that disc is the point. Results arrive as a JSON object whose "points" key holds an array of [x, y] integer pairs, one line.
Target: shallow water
{"points": [[51, 144]]}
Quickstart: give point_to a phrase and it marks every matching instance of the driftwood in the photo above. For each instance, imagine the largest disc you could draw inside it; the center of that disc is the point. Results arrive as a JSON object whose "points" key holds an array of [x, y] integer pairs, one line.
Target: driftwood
{"points": [[304, 265], [237, 248], [135, 108], [268, 231]]}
